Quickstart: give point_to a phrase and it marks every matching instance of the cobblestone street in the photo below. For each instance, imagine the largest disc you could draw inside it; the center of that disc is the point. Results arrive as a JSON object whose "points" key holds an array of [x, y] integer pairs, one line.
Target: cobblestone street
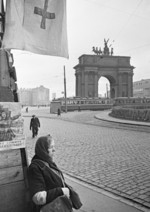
{"points": [[115, 160]]}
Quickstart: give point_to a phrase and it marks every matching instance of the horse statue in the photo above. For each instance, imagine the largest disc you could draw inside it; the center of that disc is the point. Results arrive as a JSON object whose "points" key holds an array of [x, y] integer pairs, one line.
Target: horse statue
{"points": [[96, 50]]}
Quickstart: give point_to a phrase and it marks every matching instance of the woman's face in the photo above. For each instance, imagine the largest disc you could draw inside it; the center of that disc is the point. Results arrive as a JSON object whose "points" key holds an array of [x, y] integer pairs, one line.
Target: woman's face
{"points": [[51, 149]]}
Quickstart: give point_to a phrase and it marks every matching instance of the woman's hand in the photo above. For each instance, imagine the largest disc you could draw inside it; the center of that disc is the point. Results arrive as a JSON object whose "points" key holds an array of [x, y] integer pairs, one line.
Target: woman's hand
{"points": [[66, 191], [40, 198]]}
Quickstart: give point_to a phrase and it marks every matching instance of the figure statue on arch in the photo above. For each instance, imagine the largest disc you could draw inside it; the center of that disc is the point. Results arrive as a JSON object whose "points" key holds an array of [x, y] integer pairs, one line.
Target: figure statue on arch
{"points": [[106, 49]]}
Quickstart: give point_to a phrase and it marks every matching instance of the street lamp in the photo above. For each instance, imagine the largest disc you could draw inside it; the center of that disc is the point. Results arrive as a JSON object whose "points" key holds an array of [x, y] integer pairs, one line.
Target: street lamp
{"points": [[106, 90], [65, 92]]}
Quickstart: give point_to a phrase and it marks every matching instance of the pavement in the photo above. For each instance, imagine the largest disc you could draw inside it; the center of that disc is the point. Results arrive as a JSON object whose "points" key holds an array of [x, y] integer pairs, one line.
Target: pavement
{"points": [[95, 199], [105, 116]]}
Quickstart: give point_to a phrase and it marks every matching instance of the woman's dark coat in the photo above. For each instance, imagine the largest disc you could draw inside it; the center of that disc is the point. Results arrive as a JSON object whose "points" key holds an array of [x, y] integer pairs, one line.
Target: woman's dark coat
{"points": [[42, 178]]}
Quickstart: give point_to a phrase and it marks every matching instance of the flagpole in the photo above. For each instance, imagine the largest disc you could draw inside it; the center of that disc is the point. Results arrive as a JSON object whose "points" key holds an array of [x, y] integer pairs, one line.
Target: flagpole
{"points": [[65, 93]]}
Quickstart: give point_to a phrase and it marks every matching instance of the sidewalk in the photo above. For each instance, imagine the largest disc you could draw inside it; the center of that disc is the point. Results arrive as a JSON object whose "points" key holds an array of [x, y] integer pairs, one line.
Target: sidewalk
{"points": [[97, 200], [104, 116]]}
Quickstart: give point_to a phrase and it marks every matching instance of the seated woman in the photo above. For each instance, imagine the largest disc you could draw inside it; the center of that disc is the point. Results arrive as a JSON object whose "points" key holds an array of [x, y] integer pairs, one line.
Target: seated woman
{"points": [[45, 183]]}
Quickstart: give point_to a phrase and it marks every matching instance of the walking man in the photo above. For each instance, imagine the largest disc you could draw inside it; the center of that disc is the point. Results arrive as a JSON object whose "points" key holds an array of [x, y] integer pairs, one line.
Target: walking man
{"points": [[34, 125]]}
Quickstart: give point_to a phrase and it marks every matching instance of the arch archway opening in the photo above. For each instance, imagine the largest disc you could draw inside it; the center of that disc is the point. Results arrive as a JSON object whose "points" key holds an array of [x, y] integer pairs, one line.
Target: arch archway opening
{"points": [[103, 87]]}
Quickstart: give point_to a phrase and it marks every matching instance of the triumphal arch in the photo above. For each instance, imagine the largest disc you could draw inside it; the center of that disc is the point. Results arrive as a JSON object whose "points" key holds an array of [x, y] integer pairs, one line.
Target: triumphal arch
{"points": [[116, 69]]}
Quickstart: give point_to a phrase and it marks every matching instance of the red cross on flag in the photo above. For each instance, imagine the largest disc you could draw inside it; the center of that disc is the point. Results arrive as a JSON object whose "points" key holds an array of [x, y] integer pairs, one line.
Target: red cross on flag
{"points": [[38, 26]]}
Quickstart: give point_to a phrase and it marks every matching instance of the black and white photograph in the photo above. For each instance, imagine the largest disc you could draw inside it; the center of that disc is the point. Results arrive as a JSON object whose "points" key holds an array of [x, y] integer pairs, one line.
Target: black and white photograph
{"points": [[74, 105]]}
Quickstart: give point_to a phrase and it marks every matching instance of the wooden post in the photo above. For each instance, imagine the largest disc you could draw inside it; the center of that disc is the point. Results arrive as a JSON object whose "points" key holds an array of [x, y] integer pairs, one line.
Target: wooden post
{"points": [[13, 158]]}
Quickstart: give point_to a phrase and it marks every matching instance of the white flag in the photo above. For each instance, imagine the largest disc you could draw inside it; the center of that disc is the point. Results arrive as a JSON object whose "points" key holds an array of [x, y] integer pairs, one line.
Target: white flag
{"points": [[38, 26]]}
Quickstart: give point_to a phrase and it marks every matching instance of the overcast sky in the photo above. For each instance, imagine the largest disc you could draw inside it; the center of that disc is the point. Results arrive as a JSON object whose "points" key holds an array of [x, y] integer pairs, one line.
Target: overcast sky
{"points": [[125, 22]]}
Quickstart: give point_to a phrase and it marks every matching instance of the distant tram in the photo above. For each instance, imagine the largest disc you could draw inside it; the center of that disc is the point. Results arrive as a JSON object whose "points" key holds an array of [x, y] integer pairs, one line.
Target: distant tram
{"points": [[77, 103]]}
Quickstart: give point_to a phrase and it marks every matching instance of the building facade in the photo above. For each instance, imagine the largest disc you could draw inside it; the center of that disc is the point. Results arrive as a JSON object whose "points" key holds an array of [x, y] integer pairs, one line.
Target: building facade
{"points": [[141, 88], [34, 97]]}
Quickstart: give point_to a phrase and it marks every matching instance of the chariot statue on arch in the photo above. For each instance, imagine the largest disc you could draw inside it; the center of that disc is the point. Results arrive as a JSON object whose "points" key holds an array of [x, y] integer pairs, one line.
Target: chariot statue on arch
{"points": [[106, 50], [97, 50]]}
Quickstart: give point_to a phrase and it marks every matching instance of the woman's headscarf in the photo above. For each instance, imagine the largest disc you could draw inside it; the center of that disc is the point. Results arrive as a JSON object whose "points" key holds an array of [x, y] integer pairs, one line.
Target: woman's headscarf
{"points": [[41, 151], [41, 148]]}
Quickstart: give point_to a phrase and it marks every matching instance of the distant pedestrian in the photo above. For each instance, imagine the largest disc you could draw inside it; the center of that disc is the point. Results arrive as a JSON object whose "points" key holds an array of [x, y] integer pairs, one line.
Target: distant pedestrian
{"points": [[79, 109], [34, 125], [59, 112], [26, 109]]}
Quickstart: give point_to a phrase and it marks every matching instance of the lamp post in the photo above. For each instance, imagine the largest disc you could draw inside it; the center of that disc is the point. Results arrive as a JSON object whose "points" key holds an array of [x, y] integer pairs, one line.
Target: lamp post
{"points": [[106, 90], [65, 93]]}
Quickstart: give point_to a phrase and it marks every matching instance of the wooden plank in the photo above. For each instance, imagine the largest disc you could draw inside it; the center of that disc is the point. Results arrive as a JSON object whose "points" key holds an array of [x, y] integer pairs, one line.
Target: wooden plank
{"points": [[13, 181], [11, 174], [14, 198], [10, 158]]}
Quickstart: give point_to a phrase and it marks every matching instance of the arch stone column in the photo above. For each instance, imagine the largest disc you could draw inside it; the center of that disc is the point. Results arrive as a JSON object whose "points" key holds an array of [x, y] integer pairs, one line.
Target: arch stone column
{"points": [[119, 85], [130, 84], [86, 84], [78, 83], [96, 85]]}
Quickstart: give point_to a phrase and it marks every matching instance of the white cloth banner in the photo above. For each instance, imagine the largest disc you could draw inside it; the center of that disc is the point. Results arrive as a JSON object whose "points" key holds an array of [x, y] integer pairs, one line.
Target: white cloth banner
{"points": [[38, 26]]}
